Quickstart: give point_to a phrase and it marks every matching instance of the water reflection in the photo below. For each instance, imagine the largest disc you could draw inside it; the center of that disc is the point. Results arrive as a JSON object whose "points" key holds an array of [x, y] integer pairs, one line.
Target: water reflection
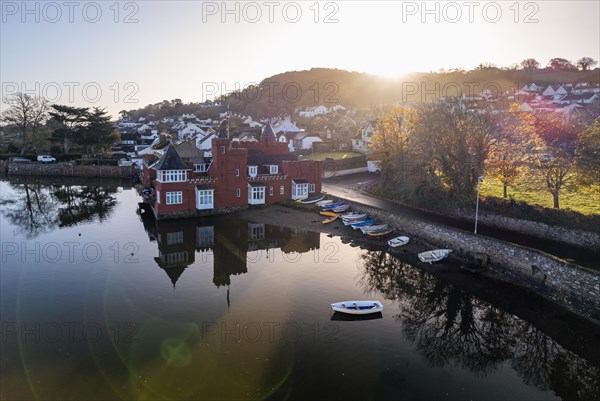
{"points": [[450, 326], [35, 207], [231, 243]]}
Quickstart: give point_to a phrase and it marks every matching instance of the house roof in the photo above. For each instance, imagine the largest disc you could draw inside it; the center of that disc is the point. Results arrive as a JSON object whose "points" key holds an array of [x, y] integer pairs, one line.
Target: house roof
{"points": [[258, 158], [204, 186], [257, 184], [188, 150], [171, 160], [268, 131], [299, 181]]}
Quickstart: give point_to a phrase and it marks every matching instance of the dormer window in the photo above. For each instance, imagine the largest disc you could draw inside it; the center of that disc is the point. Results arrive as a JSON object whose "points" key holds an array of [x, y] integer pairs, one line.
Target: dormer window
{"points": [[252, 171], [273, 169]]}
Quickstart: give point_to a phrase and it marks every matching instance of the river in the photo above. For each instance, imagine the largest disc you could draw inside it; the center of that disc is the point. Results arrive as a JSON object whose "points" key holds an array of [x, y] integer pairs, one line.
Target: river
{"points": [[99, 301]]}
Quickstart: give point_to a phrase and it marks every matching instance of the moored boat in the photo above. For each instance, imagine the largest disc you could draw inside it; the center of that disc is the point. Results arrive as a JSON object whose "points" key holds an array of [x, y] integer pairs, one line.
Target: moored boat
{"points": [[354, 217], [332, 205], [358, 307], [434, 255], [398, 241]]}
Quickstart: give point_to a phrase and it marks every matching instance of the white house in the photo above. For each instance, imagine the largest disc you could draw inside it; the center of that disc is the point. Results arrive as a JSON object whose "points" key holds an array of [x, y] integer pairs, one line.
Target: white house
{"points": [[285, 125], [190, 130], [361, 142], [314, 111], [303, 140]]}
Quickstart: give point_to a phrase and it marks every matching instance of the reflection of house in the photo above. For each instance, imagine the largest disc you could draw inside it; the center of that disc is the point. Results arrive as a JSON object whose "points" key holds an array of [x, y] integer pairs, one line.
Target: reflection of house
{"points": [[237, 175], [361, 141], [224, 240]]}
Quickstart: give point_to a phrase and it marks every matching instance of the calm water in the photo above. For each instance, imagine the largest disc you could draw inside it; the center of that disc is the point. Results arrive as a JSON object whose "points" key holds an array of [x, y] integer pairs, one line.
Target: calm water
{"points": [[98, 302]]}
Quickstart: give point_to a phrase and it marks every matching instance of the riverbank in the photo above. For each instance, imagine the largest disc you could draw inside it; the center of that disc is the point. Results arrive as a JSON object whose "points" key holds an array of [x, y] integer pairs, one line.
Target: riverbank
{"points": [[573, 287], [68, 170]]}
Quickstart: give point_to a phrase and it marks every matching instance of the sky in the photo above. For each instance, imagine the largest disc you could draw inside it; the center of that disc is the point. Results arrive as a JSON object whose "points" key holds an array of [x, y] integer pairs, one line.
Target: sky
{"points": [[128, 54]]}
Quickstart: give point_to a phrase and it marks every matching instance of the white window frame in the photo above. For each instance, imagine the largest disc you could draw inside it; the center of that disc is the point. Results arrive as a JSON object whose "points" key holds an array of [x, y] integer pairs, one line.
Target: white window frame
{"points": [[200, 168], [174, 198], [252, 171], [273, 169], [312, 187], [271, 190], [299, 191], [238, 192], [205, 199], [157, 196], [256, 195], [237, 172], [223, 149], [281, 190], [171, 175]]}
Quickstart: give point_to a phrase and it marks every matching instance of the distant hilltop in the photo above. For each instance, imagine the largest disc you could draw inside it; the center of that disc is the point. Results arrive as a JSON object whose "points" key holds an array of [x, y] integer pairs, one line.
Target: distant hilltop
{"points": [[290, 92]]}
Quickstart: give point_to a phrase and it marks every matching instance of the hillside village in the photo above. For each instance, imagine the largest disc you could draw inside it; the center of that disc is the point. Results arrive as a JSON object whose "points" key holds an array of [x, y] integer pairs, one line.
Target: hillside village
{"points": [[326, 129]]}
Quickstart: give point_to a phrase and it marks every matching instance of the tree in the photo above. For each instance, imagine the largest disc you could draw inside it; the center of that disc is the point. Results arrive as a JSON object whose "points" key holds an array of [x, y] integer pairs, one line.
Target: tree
{"points": [[561, 64], [26, 115], [586, 62], [557, 173], [70, 120], [389, 144], [530, 64], [98, 131], [587, 154], [452, 142], [516, 138]]}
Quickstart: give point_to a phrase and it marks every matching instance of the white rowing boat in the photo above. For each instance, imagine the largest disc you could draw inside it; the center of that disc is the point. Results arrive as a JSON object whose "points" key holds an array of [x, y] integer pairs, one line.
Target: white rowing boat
{"points": [[434, 255], [357, 307]]}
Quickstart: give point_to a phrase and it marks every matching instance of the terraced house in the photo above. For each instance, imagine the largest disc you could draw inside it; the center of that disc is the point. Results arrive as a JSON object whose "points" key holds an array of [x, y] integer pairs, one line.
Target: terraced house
{"points": [[188, 181]]}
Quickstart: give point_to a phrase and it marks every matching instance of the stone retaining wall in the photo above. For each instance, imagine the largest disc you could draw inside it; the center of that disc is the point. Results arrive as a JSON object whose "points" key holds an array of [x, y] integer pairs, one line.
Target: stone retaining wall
{"points": [[579, 238], [571, 286], [69, 170]]}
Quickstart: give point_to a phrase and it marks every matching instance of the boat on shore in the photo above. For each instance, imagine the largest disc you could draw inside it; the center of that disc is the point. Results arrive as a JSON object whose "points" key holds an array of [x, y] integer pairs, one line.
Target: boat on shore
{"points": [[330, 219], [373, 228], [330, 206], [357, 224], [381, 233], [341, 208], [434, 255], [312, 199], [328, 214], [358, 307], [324, 202], [398, 241]]}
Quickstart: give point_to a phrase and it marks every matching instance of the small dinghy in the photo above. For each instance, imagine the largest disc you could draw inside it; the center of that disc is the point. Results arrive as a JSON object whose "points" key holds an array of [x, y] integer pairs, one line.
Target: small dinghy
{"points": [[434, 255], [328, 214], [324, 202], [365, 223], [380, 234], [341, 208], [358, 307], [398, 241], [354, 217], [373, 228], [312, 199], [330, 206], [331, 219]]}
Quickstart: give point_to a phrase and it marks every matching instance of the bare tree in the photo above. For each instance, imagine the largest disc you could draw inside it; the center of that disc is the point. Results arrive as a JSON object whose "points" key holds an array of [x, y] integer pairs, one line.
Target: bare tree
{"points": [[26, 116], [586, 62]]}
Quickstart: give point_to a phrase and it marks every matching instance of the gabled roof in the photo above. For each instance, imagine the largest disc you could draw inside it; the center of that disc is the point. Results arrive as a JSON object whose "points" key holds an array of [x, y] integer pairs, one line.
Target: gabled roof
{"points": [[258, 158], [268, 131], [171, 161], [188, 150]]}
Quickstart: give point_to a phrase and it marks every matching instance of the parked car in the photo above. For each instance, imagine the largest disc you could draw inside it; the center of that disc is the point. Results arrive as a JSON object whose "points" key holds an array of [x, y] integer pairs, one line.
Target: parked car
{"points": [[19, 160], [46, 159]]}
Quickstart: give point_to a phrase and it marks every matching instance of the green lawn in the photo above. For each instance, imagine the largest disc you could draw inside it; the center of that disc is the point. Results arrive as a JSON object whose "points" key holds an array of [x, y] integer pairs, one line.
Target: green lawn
{"points": [[333, 155], [585, 200]]}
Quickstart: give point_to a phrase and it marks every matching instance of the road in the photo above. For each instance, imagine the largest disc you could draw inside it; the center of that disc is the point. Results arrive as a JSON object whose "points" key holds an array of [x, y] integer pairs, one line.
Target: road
{"points": [[349, 186]]}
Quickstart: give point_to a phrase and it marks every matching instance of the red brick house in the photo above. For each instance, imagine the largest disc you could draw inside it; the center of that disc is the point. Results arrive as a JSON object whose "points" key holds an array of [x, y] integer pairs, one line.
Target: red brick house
{"points": [[236, 175]]}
